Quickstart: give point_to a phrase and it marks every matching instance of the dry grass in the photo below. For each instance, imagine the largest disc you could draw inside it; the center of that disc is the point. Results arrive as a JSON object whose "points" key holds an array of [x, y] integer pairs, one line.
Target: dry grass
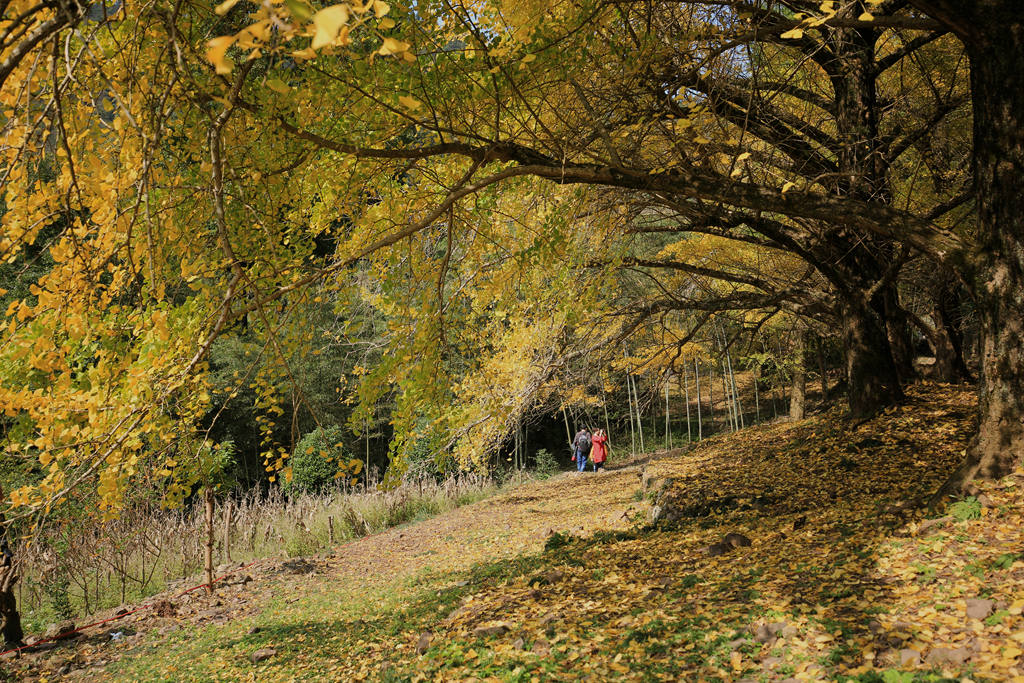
{"points": [[147, 549]]}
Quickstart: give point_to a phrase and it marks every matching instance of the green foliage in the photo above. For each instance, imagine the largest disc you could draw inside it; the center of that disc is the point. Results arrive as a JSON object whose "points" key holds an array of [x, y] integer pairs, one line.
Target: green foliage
{"points": [[1006, 560], [558, 540], [423, 458], [545, 464], [996, 617], [60, 601], [314, 463], [966, 509]]}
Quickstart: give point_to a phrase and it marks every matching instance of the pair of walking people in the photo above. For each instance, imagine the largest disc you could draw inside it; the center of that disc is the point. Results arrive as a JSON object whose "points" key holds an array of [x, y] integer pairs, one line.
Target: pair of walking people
{"points": [[595, 446]]}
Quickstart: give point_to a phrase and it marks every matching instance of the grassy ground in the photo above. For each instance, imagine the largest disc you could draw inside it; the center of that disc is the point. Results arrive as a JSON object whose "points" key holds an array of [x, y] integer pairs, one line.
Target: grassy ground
{"points": [[148, 549], [845, 578]]}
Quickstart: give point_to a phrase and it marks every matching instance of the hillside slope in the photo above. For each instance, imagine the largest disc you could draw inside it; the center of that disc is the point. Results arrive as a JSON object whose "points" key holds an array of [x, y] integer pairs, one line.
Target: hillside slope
{"points": [[843, 578]]}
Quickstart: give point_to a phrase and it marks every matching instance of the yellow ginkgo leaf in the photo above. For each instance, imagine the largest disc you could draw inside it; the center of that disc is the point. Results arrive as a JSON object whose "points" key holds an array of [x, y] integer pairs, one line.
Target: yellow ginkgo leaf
{"points": [[866, 16], [380, 8], [409, 102], [795, 34], [298, 9], [328, 23], [216, 52], [279, 86], [786, 187], [391, 46], [225, 7]]}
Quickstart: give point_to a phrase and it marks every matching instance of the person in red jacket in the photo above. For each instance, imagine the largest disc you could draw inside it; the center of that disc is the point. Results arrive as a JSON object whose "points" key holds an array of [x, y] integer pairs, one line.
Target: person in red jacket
{"points": [[599, 451]]}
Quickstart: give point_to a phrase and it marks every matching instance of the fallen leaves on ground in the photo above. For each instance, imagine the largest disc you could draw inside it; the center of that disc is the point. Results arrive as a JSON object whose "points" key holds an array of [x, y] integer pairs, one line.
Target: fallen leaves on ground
{"points": [[847, 577]]}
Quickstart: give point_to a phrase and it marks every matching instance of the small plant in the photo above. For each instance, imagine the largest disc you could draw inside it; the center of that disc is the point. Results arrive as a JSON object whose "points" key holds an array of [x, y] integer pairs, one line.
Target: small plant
{"points": [[996, 617], [545, 464], [966, 509], [925, 574], [60, 600], [689, 580], [558, 540], [1005, 561]]}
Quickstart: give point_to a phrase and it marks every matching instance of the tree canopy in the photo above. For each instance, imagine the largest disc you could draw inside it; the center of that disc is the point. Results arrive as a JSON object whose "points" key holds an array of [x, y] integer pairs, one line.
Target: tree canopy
{"points": [[487, 200]]}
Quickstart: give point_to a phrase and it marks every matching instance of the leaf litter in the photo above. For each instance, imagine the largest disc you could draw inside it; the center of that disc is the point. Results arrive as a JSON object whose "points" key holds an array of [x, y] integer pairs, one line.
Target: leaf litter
{"points": [[847, 576]]}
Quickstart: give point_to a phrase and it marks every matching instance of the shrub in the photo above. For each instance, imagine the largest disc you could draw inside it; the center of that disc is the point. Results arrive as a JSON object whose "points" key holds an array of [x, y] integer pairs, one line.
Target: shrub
{"points": [[545, 465], [315, 461]]}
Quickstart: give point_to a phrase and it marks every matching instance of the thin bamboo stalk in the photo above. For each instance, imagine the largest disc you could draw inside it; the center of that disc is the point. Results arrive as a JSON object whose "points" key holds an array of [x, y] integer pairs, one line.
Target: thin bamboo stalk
{"points": [[668, 433], [686, 394], [700, 423]]}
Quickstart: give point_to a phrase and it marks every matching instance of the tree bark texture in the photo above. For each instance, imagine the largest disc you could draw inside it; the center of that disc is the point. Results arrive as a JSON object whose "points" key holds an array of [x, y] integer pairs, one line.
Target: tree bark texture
{"points": [[873, 382], [997, 82]]}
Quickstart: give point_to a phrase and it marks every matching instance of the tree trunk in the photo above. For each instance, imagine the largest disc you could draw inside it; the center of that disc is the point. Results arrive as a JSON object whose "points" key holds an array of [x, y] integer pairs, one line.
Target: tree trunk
{"points": [[948, 338], [872, 380], [897, 329], [995, 44], [867, 263], [798, 389], [639, 418], [757, 398], [10, 619]]}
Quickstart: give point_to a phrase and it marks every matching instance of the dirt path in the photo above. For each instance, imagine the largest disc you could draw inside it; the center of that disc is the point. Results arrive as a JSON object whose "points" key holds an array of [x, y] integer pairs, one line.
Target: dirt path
{"points": [[510, 524], [506, 525], [840, 577]]}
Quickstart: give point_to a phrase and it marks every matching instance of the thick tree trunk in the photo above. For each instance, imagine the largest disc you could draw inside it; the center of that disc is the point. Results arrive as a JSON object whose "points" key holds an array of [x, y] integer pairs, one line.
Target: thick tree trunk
{"points": [[866, 262], [997, 82], [873, 382], [949, 359], [897, 330], [993, 33], [951, 366]]}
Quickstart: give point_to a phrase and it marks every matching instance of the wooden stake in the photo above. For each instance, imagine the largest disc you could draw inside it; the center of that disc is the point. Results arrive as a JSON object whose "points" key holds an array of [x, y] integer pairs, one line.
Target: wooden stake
{"points": [[208, 555]]}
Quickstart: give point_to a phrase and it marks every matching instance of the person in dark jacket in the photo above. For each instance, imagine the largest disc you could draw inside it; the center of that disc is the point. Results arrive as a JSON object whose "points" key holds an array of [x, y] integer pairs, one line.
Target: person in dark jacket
{"points": [[581, 448]]}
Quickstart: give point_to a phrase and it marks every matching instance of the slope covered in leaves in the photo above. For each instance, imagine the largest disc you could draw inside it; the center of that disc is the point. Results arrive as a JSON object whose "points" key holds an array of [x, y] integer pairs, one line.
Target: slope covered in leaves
{"points": [[845, 578]]}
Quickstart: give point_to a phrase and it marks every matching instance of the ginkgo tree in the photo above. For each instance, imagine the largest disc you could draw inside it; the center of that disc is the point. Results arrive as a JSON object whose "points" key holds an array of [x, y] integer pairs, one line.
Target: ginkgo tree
{"points": [[178, 162]]}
